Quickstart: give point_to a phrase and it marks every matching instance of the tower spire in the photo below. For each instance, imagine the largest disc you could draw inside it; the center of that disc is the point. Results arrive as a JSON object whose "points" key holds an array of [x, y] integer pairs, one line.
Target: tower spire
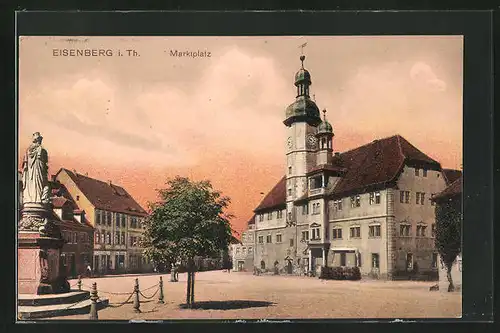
{"points": [[324, 114]]}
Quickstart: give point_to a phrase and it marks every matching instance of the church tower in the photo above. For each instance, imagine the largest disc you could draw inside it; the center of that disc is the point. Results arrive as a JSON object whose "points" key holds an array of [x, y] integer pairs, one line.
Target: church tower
{"points": [[301, 118], [325, 136]]}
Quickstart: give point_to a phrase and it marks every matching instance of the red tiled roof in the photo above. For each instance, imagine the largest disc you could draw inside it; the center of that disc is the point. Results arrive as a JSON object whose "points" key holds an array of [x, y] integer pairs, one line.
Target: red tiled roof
{"points": [[276, 197], [376, 164], [454, 189], [252, 220], [452, 175], [106, 196]]}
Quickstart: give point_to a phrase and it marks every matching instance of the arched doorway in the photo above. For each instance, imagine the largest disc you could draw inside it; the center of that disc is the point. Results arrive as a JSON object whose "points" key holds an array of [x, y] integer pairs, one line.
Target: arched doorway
{"points": [[262, 265], [289, 267]]}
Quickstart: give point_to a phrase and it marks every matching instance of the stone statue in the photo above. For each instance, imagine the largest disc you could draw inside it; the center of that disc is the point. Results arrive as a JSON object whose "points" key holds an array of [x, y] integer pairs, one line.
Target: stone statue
{"points": [[35, 173], [36, 211]]}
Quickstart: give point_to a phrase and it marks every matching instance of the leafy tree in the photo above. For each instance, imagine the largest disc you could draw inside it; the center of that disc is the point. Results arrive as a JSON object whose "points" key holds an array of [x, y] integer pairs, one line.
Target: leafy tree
{"points": [[188, 220], [448, 238]]}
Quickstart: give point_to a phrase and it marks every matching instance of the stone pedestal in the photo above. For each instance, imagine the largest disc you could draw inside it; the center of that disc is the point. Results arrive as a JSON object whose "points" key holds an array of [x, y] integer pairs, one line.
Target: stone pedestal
{"points": [[38, 264]]}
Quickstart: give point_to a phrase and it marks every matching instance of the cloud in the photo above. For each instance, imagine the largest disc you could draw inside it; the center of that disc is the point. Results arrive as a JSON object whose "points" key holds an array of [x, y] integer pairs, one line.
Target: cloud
{"points": [[237, 104], [422, 73]]}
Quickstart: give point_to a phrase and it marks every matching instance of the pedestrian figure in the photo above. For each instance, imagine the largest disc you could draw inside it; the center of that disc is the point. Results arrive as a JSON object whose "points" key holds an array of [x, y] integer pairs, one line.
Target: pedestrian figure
{"points": [[89, 271]]}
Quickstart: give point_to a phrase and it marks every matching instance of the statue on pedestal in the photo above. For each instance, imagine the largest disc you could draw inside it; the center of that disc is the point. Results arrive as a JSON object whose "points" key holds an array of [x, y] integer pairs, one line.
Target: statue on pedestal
{"points": [[36, 192]]}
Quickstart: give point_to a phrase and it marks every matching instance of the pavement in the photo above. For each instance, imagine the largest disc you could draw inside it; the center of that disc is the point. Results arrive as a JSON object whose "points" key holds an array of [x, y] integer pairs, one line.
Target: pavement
{"points": [[237, 295]]}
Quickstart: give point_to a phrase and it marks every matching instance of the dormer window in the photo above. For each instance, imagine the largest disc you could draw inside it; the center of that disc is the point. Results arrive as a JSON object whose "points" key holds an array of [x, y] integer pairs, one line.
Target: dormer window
{"points": [[77, 198]]}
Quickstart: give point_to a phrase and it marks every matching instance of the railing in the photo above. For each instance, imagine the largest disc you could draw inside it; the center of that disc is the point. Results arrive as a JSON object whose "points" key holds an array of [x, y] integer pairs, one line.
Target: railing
{"points": [[315, 191]]}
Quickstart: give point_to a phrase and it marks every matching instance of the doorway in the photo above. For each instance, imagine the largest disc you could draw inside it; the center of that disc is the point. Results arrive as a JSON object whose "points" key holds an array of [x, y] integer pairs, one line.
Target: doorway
{"points": [[262, 265], [240, 265], [289, 267], [342, 259]]}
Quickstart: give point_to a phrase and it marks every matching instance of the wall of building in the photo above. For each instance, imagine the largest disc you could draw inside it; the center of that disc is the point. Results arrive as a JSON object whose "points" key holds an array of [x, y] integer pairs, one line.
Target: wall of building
{"points": [[77, 251], [83, 203], [364, 216], [420, 247]]}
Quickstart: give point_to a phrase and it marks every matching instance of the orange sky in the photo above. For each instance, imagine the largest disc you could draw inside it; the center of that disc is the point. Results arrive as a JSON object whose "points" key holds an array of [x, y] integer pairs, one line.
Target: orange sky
{"points": [[139, 120]]}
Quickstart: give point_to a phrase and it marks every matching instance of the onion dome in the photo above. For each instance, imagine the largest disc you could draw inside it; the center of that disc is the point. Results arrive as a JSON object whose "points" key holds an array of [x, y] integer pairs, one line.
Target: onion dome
{"points": [[325, 127], [303, 109]]}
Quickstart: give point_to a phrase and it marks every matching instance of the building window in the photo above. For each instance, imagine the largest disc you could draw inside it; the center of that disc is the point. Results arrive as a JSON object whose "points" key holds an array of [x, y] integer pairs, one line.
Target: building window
{"points": [[355, 232], [103, 237], [278, 239], [305, 209], [433, 230], [305, 235], [432, 201], [404, 230], [289, 170], [424, 172], [374, 198], [249, 250], [289, 216], [269, 216], [261, 217], [122, 241], [96, 237], [289, 191], [337, 204], [421, 230], [315, 234], [401, 196], [434, 260], [291, 241], [316, 209], [108, 238], [117, 220], [337, 233], [97, 217], [268, 239], [409, 261], [407, 196], [420, 198], [374, 230], [375, 260], [117, 238], [261, 239], [237, 250], [355, 201], [133, 222], [417, 172], [279, 214], [109, 218]]}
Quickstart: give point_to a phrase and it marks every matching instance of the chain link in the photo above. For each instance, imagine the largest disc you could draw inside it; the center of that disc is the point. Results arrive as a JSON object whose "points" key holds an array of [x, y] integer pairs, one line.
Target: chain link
{"points": [[120, 304], [146, 297]]}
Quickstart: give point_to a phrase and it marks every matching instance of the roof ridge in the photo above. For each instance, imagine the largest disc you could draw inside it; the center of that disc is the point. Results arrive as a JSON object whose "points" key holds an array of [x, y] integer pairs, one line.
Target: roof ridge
{"points": [[370, 143]]}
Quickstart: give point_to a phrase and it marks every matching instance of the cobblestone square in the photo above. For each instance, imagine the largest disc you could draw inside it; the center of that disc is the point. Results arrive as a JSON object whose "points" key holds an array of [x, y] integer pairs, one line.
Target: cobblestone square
{"points": [[238, 295]]}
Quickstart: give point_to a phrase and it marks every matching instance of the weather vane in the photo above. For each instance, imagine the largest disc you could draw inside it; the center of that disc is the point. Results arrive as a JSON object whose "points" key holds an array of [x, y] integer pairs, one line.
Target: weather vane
{"points": [[302, 48]]}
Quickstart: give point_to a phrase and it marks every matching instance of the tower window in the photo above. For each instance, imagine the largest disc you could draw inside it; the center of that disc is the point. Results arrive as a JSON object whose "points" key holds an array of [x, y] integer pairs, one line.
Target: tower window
{"points": [[289, 170]]}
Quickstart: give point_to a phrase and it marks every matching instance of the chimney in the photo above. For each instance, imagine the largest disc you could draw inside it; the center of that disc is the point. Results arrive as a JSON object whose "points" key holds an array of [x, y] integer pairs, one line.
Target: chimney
{"points": [[74, 171]]}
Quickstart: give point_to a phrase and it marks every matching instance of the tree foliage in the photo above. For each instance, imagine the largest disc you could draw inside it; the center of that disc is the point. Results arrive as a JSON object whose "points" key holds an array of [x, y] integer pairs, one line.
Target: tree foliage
{"points": [[188, 220]]}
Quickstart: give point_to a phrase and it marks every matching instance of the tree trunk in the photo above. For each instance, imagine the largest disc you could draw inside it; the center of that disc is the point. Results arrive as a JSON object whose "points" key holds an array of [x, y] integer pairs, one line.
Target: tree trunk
{"points": [[188, 291], [192, 287], [451, 287]]}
